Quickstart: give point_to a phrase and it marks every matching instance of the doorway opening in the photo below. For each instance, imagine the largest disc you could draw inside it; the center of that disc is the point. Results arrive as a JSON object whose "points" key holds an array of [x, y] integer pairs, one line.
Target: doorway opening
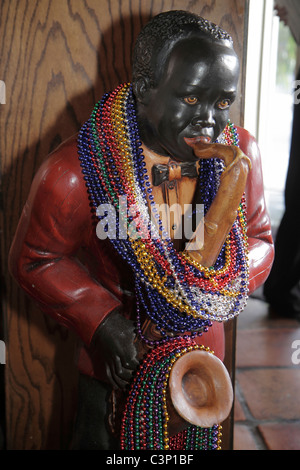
{"points": [[271, 70]]}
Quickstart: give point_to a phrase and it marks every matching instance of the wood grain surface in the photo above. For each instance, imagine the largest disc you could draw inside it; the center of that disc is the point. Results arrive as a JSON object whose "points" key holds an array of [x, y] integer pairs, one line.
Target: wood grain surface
{"points": [[57, 59]]}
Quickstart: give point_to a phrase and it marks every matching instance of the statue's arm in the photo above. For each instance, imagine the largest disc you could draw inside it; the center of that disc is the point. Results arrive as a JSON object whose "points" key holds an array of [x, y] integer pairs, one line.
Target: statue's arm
{"points": [[53, 226], [261, 247], [243, 174]]}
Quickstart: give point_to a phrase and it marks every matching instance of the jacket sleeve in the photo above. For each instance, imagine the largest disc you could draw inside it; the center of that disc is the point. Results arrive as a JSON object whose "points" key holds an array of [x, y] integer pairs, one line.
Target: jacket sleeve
{"points": [[54, 223], [261, 248]]}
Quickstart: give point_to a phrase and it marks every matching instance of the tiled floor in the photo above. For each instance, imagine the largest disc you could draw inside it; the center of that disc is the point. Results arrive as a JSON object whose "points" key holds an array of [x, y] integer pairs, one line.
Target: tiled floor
{"points": [[267, 404], [267, 390]]}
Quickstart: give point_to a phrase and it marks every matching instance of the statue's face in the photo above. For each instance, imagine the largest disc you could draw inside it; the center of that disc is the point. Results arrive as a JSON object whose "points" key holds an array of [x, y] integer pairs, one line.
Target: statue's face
{"points": [[192, 100]]}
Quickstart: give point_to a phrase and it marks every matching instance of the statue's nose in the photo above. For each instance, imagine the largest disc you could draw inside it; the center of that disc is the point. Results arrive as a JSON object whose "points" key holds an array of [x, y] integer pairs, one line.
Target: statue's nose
{"points": [[204, 118]]}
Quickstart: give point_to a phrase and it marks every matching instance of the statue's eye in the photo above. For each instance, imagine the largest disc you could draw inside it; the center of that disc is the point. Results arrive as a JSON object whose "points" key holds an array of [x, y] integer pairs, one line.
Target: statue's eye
{"points": [[224, 104], [191, 100]]}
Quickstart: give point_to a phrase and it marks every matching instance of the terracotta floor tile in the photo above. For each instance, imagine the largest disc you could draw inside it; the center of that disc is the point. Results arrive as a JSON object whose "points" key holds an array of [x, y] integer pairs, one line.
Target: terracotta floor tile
{"points": [[243, 438], [256, 315], [285, 436], [266, 347], [271, 393]]}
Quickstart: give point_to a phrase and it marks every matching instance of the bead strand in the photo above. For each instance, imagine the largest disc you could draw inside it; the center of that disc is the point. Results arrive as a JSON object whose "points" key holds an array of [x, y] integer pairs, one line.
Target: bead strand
{"points": [[113, 165]]}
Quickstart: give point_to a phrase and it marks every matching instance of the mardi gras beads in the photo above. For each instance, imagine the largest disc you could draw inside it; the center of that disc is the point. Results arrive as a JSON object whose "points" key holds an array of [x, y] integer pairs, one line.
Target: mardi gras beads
{"points": [[173, 291], [113, 165]]}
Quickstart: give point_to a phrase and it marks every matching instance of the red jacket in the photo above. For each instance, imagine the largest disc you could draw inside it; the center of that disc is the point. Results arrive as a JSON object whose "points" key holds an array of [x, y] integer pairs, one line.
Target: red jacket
{"points": [[78, 279]]}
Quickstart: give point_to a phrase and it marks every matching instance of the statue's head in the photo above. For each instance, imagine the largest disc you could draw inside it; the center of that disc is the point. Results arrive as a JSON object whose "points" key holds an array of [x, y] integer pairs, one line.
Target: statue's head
{"points": [[185, 75]]}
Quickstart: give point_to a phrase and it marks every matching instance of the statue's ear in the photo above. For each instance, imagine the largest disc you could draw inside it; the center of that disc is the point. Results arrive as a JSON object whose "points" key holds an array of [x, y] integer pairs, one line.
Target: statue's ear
{"points": [[142, 90]]}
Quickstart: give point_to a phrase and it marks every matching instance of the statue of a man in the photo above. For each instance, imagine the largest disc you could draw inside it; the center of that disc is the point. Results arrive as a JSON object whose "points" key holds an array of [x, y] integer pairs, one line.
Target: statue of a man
{"points": [[163, 140]]}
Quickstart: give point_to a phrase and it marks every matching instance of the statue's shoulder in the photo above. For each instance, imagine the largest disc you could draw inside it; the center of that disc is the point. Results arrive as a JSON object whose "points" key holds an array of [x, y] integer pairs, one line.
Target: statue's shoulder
{"points": [[248, 144], [60, 175], [65, 156], [62, 166]]}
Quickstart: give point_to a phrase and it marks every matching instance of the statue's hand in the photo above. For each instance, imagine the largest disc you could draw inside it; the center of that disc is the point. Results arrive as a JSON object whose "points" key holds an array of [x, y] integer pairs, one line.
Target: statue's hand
{"points": [[230, 154], [113, 344], [209, 237]]}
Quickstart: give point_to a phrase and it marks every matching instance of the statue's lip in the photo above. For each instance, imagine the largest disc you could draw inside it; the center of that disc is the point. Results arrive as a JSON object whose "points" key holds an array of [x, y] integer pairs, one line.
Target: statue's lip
{"points": [[199, 139]]}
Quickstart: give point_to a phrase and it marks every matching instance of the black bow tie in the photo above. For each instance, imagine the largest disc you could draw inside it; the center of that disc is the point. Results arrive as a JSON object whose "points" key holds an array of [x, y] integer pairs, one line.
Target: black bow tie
{"points": [[173, 171]]}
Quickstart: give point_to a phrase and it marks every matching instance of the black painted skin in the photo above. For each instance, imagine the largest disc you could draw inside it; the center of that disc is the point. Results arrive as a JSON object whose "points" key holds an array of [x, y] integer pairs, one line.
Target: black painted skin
{"points": [[193, 97]]}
